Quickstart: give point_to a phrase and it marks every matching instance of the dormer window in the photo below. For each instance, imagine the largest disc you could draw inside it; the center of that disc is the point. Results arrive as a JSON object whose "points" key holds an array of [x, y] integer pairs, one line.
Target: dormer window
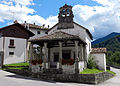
{"points": [[38, 32]]}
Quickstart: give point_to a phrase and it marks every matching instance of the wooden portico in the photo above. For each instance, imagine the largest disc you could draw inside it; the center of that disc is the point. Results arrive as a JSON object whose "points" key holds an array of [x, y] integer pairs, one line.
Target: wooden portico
{"points": [[60, 40]]}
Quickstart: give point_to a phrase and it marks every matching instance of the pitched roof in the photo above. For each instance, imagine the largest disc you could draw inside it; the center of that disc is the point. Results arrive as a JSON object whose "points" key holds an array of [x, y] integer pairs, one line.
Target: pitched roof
{"points": [[17, 24], [57, 36], [99, 50], [78, 25], [33, 26]]}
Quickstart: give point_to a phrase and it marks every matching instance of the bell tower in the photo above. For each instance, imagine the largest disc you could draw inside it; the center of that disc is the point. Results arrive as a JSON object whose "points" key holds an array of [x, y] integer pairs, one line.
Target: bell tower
{"points": [[65, 17]]}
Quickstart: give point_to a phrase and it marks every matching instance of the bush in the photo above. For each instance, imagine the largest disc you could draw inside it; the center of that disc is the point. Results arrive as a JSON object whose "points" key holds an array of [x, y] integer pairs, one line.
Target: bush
{"points": [[91, 63]]}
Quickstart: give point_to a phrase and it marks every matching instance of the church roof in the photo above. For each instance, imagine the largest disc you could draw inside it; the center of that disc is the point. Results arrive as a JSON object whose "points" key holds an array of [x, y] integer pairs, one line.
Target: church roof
{"points": [[99, 50], [76, 24], [57, 36]]}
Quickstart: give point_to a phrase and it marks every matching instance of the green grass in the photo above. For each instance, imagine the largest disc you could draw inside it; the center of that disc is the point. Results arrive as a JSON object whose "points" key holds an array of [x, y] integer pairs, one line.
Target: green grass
{"points": [[91, 71], [111, 72], [18, 64], [95, 71]]}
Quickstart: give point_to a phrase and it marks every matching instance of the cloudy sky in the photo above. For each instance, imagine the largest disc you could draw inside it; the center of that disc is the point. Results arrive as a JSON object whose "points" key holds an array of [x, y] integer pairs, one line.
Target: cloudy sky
{"points": [[101, 17]]}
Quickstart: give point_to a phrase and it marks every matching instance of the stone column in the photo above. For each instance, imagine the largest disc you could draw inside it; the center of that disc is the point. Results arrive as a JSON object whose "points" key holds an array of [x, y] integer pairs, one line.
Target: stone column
{"points": [[31, 52], [81, 52], [60, 55], [45, 56], [30, 55], [48, 57], [85, 56], [41, 52], [76, 58]]}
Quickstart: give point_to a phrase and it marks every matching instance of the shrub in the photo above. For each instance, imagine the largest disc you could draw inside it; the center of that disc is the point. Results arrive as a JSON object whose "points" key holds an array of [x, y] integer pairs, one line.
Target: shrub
{"points": [[91, 63]]}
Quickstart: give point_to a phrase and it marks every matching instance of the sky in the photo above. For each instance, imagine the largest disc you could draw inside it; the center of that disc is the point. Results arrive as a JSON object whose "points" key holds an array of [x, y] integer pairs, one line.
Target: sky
{"points": [[101, 17]]}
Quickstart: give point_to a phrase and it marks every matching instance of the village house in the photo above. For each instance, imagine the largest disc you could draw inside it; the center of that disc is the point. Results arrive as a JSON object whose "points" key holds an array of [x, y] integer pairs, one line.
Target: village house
{"points": [[65, 48], [36, 29], [13, 43]]}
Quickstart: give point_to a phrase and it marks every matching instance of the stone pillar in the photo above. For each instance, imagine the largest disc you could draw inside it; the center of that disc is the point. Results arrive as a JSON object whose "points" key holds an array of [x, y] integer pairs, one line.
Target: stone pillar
{"points": [[81, 52], [30, 55], [31, 52], [48, 57], [60, 55], [45, 60], [85, 56], [76, 58], [41, 52]]}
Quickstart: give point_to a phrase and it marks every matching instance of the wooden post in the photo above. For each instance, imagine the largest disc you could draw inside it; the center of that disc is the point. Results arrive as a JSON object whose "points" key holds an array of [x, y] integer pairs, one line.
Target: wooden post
{"points": [[76, 58], [60, 55]]}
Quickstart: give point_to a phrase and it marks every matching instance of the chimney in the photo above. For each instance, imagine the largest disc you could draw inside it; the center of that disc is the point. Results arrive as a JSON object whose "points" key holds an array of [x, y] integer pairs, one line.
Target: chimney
{"points": [[15, 22], [43, 25], [34, 23], [48, 26], [25, 24]]}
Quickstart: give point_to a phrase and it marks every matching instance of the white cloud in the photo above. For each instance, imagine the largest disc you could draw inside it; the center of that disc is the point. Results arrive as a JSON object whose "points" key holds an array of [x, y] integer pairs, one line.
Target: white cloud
{"points": [[100, 20], [19, 10]]}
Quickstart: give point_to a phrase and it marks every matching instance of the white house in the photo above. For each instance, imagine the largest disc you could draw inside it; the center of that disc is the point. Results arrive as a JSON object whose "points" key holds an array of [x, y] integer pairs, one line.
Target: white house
{"points": [[13, 43], [36, 29], [66, 47]]}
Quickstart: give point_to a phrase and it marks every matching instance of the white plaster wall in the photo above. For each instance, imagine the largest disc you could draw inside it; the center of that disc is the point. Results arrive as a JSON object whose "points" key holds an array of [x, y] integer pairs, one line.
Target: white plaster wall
{"points": [[42, 33], [81, 66], [1, 43], [19, 50], [100, 59]]}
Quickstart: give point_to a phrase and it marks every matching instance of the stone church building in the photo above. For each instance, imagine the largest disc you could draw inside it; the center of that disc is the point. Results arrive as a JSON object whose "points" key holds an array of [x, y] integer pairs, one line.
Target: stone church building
{"points": [[65, 48]]}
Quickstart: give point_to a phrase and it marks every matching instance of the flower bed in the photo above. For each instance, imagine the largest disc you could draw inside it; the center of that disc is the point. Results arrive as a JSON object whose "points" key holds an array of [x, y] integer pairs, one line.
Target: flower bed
{"points": [[35, 62], [68, 62]]}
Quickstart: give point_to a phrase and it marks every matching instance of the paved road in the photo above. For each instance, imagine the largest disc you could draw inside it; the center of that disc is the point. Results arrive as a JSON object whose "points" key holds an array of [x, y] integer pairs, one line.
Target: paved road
{"points": [[10, 79]]}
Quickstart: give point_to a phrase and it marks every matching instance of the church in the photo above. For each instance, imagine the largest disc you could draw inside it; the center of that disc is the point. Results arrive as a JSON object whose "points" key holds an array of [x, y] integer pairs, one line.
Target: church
{"points": [[65, 48]]}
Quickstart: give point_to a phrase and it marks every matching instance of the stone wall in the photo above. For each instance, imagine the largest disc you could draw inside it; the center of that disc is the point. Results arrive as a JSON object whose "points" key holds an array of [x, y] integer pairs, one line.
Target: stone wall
{"points": [[79, 78]]}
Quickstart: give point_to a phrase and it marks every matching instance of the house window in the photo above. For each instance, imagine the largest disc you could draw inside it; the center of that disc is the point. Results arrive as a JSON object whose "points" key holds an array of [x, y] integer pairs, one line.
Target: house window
{"points": [[38, 32], [11, 53], [11, 42]]}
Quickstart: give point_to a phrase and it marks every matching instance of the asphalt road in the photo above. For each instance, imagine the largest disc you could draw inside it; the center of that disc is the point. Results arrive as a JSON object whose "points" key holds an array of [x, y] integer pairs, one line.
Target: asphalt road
{"points": [[10, 79]]}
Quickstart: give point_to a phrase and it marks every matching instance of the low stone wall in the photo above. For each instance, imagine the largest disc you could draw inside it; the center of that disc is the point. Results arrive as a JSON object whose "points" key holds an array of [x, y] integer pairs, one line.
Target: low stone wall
{"points": [[79, 78]]}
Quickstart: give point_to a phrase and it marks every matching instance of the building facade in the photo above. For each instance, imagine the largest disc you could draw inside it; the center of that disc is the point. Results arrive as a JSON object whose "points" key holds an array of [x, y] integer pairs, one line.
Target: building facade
{"points": [[13, 40]]}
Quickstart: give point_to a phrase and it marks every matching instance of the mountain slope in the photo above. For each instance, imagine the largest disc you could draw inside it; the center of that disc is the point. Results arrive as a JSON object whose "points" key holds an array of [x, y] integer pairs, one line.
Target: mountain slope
{"points": [[105, 38], [112, 44]]}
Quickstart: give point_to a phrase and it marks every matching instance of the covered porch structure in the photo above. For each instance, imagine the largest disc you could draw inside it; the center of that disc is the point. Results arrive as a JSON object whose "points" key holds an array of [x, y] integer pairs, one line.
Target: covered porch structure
{"points": [[61, 51]]}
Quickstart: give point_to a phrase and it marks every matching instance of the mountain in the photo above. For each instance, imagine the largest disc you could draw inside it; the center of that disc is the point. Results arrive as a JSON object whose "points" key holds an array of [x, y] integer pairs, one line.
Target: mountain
{"points": [[112, 44], [111, 35]]}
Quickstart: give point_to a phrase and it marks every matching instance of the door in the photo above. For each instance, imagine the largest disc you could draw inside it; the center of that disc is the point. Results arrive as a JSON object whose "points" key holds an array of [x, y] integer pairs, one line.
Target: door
{"points": [[1, 59]]}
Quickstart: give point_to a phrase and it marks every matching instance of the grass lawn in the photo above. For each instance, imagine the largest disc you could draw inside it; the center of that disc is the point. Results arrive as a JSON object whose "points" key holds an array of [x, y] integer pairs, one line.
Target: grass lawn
{"points": [[111, 72], [18, 64], [91, 71], [94, 71], [21, 66]]}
